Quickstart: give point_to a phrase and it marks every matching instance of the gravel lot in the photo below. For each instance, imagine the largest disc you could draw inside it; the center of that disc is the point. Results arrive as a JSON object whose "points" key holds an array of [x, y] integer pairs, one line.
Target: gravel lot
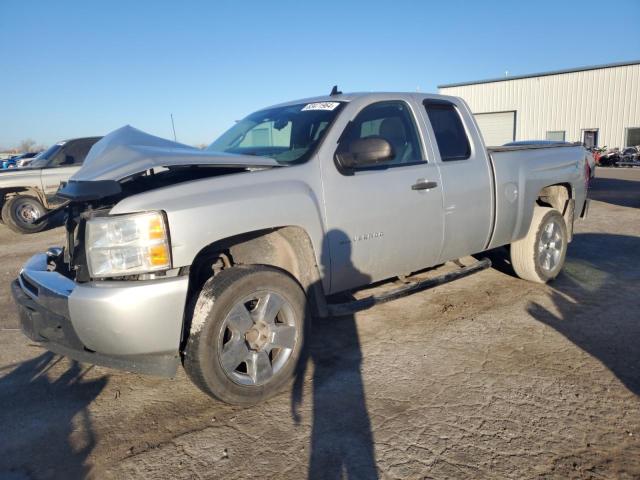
{"points": [[487, 377]]}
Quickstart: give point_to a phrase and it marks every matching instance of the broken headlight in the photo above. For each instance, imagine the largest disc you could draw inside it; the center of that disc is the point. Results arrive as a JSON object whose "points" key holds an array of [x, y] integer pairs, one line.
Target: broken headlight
{"points": [[131, 244]]}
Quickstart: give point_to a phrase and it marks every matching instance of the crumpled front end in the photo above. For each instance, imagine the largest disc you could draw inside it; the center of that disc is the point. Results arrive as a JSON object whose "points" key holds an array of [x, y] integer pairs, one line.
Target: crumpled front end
{"points": [[75, 300], [128, 151], [133, 326]]}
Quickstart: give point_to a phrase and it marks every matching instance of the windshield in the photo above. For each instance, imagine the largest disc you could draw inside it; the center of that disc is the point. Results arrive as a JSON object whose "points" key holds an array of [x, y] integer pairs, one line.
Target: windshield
{"points": [[41, 160], [287, 134]]}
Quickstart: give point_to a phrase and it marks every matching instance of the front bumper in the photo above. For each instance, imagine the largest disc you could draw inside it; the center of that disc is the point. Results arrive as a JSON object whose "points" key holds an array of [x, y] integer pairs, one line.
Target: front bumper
{"points": [[129, 325]]}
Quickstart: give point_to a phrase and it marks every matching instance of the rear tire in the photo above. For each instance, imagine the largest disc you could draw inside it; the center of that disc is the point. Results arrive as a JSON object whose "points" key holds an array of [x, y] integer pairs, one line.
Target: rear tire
{"points": [[539, 257], [246, 334], [19, 212]]}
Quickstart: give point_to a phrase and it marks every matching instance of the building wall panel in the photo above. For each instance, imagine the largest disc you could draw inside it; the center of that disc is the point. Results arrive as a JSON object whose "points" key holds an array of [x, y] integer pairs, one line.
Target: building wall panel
{"points": [[604, 98]]}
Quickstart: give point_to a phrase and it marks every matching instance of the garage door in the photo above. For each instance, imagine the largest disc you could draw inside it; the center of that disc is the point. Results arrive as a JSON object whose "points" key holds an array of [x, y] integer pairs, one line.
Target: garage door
{"points": [[497, 128]]}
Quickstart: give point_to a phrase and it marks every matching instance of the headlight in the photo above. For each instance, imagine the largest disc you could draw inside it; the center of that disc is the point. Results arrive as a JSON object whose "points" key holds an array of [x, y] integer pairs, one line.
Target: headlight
{"points": [[127, 244]]}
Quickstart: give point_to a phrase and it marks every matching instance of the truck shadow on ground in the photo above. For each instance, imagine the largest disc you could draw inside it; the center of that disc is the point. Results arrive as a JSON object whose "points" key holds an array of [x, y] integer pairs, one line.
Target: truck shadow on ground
{"points": [[615, 191], [597, 306], [341, 437], [45, 428]]}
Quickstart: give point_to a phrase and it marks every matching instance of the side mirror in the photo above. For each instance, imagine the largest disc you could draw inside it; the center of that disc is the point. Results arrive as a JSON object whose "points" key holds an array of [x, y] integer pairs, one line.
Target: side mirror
{"points": [[366, 152]]}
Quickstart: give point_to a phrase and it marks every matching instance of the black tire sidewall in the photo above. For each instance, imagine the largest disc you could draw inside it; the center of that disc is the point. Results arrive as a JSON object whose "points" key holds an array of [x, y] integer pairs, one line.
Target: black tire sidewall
{"points": [[14, 222], [544, 274], [3, 213], [201, 356]]}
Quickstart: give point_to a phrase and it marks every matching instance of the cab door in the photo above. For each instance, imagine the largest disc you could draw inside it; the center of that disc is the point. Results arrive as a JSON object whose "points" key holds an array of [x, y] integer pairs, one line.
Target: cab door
{"points": [[467, 181], [384, 220]]}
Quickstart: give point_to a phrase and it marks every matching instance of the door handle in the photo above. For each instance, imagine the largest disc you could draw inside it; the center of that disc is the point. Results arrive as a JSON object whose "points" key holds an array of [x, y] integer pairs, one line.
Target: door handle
{"points": [[424, 185]]}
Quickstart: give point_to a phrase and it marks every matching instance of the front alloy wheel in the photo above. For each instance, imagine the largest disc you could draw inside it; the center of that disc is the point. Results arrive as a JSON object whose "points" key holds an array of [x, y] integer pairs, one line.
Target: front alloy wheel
{"points": [[246, 334], [257, 338]]}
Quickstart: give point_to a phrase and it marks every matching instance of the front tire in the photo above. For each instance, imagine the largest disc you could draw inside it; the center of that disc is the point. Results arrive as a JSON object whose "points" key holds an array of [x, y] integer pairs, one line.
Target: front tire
{"points": [[19, 212], [246, 334], [539, 257]]}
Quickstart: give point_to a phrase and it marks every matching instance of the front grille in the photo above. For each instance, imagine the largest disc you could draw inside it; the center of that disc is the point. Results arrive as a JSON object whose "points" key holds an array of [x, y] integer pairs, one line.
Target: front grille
{"points": [[73, 253], [74, 260], [56, 263]]}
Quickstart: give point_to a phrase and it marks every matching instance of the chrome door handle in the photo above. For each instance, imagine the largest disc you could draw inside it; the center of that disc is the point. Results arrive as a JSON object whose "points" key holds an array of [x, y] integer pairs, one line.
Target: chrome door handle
{"points": [[424, 185]]}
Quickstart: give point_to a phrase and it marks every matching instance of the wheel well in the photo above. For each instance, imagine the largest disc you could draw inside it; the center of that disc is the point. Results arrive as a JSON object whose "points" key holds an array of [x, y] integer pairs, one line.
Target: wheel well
{"points": [[7, 193], [560, 197], [288, 248], [555, 196]]}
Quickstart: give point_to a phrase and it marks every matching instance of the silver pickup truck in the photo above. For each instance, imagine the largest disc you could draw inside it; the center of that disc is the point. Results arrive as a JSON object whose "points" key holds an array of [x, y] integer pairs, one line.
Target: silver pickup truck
{"points": [[216, 259]]}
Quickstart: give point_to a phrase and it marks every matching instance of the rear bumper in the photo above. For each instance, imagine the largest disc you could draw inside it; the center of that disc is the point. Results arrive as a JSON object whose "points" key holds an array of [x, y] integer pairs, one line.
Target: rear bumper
{"points": [[134, 326]]}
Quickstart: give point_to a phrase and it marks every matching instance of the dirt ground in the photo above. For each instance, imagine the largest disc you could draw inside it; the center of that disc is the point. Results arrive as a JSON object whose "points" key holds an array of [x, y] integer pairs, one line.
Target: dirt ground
{"points": [[487, 377]]}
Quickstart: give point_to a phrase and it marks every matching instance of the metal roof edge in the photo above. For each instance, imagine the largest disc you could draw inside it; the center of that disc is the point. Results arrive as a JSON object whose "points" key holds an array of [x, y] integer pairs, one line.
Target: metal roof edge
{"points": [[543, 74]]}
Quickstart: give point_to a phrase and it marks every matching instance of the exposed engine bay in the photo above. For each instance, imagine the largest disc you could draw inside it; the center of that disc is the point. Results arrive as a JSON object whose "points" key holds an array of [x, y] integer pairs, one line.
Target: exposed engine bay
{"points": [[89, 199]]}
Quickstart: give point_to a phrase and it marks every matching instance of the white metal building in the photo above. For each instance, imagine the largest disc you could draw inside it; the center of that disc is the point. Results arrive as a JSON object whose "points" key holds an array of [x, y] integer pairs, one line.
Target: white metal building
{"points": [[597, 105]]}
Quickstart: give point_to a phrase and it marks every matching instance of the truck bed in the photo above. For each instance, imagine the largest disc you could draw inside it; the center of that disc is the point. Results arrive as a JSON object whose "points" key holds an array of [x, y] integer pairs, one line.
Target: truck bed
{"points": [[520, 172], [532, 146]]}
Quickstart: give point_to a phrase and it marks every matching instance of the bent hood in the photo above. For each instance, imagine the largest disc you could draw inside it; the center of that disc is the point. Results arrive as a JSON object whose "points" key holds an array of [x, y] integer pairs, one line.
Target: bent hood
{"points": [[127, 151]]}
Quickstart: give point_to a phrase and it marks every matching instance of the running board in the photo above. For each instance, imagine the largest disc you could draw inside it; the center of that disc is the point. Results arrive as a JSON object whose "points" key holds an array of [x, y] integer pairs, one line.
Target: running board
{"points": [[349, 308]]}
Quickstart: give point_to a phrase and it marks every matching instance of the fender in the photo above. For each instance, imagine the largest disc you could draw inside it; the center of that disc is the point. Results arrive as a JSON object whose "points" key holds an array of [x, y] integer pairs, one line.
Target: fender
{"points": [[22, 181], [5, 193], [519, 187], [206, 211]]}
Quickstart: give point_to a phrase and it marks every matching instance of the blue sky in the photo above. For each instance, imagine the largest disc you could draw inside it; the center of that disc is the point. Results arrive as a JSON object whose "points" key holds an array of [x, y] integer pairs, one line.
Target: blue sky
{"points": [[76, 68]]}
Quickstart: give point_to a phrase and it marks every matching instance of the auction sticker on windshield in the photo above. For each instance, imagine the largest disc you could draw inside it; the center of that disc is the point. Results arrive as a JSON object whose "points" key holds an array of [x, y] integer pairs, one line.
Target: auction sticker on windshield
{"points": [[320, 106]]}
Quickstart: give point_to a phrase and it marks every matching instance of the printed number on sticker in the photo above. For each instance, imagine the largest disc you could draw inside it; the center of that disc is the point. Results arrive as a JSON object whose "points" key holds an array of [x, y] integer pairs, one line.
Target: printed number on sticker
{"points": [[320, 106]]}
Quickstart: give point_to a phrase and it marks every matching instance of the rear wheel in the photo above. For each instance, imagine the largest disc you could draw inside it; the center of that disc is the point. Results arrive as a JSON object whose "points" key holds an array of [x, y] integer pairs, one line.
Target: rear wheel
{"points": [[246, 334], [20, 212], [540, 255]]}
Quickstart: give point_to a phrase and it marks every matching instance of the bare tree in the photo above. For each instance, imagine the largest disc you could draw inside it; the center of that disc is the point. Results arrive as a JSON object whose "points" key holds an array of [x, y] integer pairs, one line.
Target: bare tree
{"points": [[26, 145]]}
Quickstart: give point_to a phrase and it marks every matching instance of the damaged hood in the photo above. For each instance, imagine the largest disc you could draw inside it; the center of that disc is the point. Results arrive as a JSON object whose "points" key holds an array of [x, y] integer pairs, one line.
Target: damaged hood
{"points": [[127, 151]]}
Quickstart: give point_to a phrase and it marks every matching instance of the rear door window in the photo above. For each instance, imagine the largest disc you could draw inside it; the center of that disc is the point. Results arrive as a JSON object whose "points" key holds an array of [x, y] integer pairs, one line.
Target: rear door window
{"points": [[451, 136]]}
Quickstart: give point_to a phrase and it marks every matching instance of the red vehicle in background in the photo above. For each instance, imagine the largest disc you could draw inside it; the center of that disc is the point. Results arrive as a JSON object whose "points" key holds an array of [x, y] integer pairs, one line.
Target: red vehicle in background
{"points": [[606, 157], [597, 153]]}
